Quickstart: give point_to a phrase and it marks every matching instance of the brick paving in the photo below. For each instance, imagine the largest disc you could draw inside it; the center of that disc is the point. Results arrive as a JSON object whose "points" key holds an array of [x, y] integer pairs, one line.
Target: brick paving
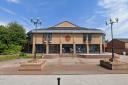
{"points": [[64, 65]]}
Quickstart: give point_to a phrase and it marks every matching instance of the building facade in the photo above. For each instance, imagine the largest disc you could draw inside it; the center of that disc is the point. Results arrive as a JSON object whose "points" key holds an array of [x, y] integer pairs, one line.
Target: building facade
{"points": [[120, 45], [66, 37]]}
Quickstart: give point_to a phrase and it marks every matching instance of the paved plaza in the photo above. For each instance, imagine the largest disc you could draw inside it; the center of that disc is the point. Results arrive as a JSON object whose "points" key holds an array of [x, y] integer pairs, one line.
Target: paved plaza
{"points": [[60, 66]]}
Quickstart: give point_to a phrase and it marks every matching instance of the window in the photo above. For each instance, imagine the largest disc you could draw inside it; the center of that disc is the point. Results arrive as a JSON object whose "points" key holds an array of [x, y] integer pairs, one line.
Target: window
{"points": [[81, 48], [54, 48], [40, 48], [94, 48], [103, 38], [67, 48], [47, 36], [84, 37], [89, 37]]}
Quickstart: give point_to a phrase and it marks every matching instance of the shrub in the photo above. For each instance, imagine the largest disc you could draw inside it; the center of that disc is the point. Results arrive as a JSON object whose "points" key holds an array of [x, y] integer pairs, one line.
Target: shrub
{"points": [[13, 49], [23, 55]]}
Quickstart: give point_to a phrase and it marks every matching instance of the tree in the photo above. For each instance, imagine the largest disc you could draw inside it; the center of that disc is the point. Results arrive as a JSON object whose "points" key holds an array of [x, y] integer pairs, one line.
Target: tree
{"points": [[12, 38], [17, 33], [4, 38]]}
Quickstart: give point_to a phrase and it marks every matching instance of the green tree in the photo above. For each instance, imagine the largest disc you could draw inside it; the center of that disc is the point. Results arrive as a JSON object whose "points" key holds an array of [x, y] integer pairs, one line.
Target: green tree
{"points": [[17, 33], [12, 38], [4, 38]]}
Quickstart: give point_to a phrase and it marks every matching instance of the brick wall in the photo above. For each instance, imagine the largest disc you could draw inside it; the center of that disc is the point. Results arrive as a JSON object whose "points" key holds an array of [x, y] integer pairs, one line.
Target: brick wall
{"points": [[119, 47]]}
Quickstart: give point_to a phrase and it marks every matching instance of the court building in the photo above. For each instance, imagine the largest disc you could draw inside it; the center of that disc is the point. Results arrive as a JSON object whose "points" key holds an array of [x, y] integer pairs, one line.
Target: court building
{"points": [[66, 38]]}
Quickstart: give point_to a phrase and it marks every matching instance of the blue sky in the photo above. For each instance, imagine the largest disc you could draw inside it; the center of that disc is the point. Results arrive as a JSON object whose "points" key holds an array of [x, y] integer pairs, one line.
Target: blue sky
{"points": [[85, 13]]}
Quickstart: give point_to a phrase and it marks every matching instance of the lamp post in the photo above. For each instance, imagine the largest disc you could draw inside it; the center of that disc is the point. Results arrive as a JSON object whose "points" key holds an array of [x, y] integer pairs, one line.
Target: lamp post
{"points": [[111, 22], [35, 22]]}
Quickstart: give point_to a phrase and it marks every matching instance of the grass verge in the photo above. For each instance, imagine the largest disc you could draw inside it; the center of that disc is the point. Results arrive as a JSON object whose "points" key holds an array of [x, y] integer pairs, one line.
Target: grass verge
{"points": [[18, 56]]}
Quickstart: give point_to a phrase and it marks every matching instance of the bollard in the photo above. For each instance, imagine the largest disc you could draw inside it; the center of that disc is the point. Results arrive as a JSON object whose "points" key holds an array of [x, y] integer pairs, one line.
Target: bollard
{"points": [[58, 79]]}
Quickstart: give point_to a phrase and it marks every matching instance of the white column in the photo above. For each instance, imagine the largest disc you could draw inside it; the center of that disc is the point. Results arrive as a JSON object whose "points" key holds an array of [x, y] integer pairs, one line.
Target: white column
{"points": [[60, 43], [60, 48], [101, 50], [33, 48], [101, 43], [47, 48], [33, 44], [74, 48], [87, 44], [87, 48]]}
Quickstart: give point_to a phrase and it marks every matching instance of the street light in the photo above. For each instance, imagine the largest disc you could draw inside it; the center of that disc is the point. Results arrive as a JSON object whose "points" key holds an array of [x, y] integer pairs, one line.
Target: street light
{"points": [[111, 22], [35, 22]]}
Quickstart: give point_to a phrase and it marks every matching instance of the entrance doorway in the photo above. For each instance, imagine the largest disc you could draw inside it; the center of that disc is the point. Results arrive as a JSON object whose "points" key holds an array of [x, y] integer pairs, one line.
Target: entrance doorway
{"points": [[81, 48], [40, 48], [54, 48], [67, 48]]}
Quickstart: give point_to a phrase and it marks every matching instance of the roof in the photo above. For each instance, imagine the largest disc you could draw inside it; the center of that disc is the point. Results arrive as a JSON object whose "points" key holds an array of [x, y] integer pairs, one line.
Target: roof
{"points": [[65, 24], [66, 27], [122, 39]]}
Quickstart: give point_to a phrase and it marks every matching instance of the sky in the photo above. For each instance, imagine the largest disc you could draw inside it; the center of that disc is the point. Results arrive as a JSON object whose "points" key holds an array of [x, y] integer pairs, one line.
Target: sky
{"points": [[84, 13]]}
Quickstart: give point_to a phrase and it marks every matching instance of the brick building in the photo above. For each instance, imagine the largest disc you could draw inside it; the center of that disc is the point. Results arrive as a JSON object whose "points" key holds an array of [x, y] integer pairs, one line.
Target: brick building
{"points": [[120, 46], [66, 37]]}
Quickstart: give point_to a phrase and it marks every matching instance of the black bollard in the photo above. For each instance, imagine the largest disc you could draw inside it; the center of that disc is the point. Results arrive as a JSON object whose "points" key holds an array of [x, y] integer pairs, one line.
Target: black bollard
{"points": [[58, 79]]}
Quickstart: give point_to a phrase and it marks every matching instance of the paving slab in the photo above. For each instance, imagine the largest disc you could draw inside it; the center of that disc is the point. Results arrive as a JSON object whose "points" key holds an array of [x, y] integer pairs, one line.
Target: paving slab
{"points": [[100, 79]]}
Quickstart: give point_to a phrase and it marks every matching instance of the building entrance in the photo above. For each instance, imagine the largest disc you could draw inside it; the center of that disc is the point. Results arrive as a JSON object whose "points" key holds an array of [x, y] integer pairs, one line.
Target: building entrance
{"points": [[54, 48], [67, 48]]}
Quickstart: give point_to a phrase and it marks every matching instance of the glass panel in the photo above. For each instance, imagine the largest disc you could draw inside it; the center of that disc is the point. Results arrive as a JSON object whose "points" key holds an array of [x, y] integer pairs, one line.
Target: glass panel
{"points": [[40, 48], [94, 48], [54, 48], [89, 37], [45, 37], [103, 38], [67, 48], [84, 37], [49, 37], [81, 48]]}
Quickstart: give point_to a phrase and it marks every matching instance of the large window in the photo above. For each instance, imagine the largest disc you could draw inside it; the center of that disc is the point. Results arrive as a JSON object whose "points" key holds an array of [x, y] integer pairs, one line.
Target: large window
{"points": [[40, 48], [89, 37], [67, 48], [94, 48], [81, 48], [103, 38], [54, 48], [84, 37], [47, 36]]}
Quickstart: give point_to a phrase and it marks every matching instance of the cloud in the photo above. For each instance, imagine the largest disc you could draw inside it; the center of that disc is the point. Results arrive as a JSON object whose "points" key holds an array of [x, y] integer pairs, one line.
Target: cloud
{"points": [[113, 9], [7, 11], [13, 1], [91, 20], [87, 21], [3, 23]]}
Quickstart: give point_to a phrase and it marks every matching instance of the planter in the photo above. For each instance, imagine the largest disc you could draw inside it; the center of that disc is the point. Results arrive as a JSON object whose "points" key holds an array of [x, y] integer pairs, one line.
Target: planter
{"points": [[32, 65], [114, 65]]}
